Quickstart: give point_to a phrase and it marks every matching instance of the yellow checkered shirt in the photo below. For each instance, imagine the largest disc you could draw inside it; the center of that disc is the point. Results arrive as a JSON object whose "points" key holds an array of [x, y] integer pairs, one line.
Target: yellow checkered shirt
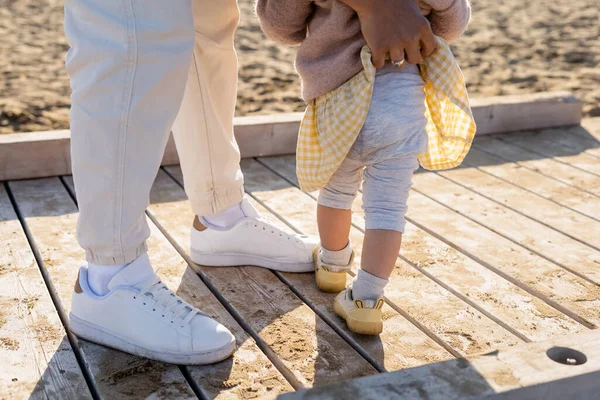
{"points": [[333, 121]]}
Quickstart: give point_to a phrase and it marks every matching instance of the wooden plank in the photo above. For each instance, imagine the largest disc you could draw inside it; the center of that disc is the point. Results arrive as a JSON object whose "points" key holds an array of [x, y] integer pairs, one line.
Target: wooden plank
{"points": [[400, 346], [522, 217], [35, 154], [36, 358], [503, 301], [267, 134], [41, 154], [524, 372], [465, 329], [535, 182], [575, 139], [256, 136], [565, 292], [548, 167], [523, 112], [249, 373], [592, 128], [549, 148], [308, 347], [51, 216]]}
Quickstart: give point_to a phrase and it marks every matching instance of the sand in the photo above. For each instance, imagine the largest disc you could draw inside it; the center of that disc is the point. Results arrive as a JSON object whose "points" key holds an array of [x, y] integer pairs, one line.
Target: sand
{"points": [[511, 47]]}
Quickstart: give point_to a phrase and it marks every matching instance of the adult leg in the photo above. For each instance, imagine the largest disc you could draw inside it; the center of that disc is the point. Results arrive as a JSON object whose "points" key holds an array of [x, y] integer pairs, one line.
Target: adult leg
{"points": [[127, 64], [210, 157], [203, 130]]}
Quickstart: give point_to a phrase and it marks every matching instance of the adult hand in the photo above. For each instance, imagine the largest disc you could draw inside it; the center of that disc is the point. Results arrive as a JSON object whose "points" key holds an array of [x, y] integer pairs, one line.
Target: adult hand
{"points": [[396, 27]]}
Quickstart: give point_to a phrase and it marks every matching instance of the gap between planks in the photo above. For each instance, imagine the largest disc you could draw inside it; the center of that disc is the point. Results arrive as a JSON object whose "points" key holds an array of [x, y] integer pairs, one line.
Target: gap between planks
{"points": [[561, 214], [575, 285], [38, 359], [266, 305], [518, 229], [580, 259], [299, 212], [403, 345], [181, 274], [52, 215], [198, 391], [585, 203], [547, 167], [284, 165], [581, 162], [541, 212]]}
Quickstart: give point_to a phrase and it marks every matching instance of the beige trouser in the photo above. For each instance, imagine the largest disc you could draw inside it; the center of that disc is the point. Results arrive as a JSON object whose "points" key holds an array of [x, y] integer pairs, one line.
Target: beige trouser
{"points": [[139, 69]]}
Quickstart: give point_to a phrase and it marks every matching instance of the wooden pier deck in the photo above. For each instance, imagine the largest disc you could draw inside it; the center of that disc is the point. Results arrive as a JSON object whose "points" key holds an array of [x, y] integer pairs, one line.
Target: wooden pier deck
{"points": [[499, 253]]}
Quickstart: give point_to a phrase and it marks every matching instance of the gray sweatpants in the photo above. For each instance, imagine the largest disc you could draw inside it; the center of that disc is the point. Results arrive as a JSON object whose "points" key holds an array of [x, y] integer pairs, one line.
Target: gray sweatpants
{"points": [[388, 145]]}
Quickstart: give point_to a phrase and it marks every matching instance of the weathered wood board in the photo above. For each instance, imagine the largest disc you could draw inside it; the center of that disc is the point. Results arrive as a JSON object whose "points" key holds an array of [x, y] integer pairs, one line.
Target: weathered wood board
{"points": [[524, 372], [501, 114], [534, 182], [51, 216], [504, 302], [501, 251], [467, 331], [546, 166], [307, 346], [567, 293], [42, 154], [248, 373], [37, 359], [539, 225], [550, 148], [401, 345]]}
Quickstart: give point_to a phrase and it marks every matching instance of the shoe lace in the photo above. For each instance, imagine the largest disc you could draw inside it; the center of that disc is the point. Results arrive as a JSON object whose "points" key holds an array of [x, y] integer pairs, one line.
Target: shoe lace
{"points": [[169, 301], [268, 226]]}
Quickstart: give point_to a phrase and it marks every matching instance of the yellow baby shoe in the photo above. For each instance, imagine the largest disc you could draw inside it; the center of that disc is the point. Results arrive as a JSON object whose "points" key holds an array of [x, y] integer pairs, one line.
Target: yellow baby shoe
{"points": [[362, 316], [330, 278]]}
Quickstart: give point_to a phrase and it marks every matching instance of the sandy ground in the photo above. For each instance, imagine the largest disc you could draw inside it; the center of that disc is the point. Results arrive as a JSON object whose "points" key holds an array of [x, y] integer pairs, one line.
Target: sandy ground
{"points": [[512, 46]]}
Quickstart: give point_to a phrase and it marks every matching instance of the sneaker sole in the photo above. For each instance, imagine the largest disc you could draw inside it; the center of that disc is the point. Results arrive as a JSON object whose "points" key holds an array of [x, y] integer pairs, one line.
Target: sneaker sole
{"points": [[330, 282], [97, 334], [235, 260], [367, 325]]}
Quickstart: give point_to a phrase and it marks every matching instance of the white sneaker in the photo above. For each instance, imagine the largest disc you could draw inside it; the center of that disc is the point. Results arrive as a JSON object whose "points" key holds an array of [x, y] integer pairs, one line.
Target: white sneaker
{"points": [[252, 241], [147, 319]]}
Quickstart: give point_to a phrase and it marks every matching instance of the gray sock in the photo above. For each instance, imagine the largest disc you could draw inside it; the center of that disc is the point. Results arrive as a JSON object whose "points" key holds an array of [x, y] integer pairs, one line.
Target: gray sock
{"points": [[368, 287], [340, 257]]}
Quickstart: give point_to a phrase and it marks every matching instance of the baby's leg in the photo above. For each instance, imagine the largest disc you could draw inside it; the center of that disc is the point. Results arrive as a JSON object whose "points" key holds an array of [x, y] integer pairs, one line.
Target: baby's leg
{"points": [[334, 218], [334, 227], [386, 186], [335, 202], [386, 189]]}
